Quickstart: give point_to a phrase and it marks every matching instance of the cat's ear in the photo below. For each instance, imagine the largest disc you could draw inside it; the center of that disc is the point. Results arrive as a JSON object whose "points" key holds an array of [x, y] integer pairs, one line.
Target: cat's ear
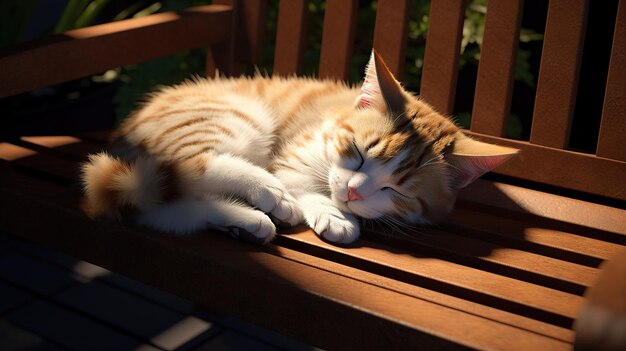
{"points": [[470, 159], [380, 88]]}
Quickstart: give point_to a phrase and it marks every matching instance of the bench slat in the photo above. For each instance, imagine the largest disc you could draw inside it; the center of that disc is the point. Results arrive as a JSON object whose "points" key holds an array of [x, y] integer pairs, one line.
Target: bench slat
{"points": [[467, 250], [482, 310], [250, 28], [441, 56], [290, 36], [562, 210], [62, 57], [62, 170], [497, 291], [338, 38], [494, 85], [72, 148], [562, 168], [390, 33], [557, 84], [194, 266], [613, 126], [534, 237]]}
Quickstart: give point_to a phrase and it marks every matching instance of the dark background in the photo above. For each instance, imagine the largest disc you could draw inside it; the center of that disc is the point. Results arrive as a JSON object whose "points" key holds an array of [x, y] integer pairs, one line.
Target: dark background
{"points": [[97, 103]]}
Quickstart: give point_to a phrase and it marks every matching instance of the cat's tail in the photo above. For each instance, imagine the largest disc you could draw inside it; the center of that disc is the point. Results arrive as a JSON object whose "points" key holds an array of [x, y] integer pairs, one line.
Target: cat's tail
{"points": [[114, 187]]}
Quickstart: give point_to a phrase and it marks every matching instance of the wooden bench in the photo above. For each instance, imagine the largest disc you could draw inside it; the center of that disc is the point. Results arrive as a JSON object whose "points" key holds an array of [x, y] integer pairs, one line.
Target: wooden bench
{"points": [[507, 271]]}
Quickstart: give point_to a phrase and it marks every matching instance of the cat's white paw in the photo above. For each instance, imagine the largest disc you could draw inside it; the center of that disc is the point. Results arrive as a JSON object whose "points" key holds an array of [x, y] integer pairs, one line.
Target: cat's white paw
{"points": [[272, 198], [335, 227], [258, 230]]}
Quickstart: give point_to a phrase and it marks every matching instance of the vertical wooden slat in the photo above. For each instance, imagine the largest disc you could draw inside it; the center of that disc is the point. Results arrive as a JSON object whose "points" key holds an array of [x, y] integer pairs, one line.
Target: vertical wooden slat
{"points": [[338, 38], [290, 36], [390, 33], [612, 138], [441, 58], [248, 34], [558, 75], [221, 57], [252, 19], [492, 101]]}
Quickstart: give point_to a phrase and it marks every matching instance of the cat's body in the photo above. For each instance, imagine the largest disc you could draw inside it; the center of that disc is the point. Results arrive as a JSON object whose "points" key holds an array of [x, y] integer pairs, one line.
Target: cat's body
{"points": [[237, 154]]}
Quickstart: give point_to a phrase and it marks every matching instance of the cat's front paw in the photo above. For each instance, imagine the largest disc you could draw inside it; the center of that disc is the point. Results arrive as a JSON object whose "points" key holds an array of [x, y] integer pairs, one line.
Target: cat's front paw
{"points": [[256, 230], [336, 228], [273, 199]]}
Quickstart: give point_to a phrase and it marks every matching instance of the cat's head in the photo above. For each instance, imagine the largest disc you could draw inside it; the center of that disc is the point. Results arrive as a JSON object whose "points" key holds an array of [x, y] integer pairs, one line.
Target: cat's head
{"points": [[392, 155]]}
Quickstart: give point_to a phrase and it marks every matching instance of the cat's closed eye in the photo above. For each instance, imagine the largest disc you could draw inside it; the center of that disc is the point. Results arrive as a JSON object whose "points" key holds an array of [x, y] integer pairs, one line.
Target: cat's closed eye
{"points": [[388, 188], [360, 155]]}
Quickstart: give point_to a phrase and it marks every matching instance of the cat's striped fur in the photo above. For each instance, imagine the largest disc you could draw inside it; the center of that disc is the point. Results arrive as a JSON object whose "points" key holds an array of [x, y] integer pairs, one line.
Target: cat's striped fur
{"points": [[237, 154]]}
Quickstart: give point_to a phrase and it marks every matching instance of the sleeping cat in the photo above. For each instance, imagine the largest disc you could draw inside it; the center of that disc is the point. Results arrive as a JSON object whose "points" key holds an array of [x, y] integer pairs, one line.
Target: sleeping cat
{"points": [[247, 154]]}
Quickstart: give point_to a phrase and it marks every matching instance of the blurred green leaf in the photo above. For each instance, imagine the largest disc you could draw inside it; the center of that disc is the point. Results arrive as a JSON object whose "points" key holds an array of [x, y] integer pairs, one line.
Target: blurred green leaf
{"points": [[72, 11], [514, 128], [14, 15], [92, 10]]}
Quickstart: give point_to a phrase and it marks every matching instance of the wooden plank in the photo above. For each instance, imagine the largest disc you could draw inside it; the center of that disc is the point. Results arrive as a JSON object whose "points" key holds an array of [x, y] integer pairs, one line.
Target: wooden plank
{"points": [[458, 245], [338, 38], [209, 268], [533, 237], [600, 325], [290, 36], [72, 148], [390, 33], [220, 58], [550, 206], [441, 57], [566, 169], [460, 304], [62, 57], [250, 28], [494, 85], [557, 85], [472, 284], [613, 126], [60, 169]]}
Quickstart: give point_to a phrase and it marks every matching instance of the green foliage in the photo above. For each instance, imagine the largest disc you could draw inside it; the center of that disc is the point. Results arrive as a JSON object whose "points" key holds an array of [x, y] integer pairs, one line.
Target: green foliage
{"points": [[148, 76], [14, 16], [473, 30], [83, 13], [139, 79], [142, 78]]}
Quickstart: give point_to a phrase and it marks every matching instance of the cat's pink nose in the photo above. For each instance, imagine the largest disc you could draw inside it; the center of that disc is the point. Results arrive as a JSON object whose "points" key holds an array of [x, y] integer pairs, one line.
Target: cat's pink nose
{"points": [[353, 195]]}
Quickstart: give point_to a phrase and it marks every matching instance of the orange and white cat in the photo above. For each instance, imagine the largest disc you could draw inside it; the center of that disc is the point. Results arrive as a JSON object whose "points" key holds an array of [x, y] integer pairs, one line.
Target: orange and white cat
{"points": [[247, 154]]}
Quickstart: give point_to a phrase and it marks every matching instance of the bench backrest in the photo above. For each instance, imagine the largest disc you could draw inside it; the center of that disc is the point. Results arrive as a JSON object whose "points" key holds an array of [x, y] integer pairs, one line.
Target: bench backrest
{"points": [[545, 157], [237, 37]]}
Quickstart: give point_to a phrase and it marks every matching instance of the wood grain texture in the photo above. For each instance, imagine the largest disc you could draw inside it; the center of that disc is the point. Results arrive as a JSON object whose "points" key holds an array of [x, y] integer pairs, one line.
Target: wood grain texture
{"points": [[62, 57], [244, 47], [494, 85], [249, 29], [557, 84], [517, 199], [441, 56], [547, 239], [566, 169], [602, 322], [390, 33], [611, 141], [209, 268], [290, 36], [454, 274], [338, 38]]}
